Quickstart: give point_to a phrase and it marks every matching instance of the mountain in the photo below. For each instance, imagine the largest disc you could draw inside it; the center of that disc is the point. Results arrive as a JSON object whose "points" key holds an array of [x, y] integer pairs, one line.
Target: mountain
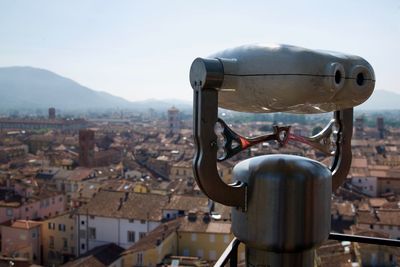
{"points": [[381, 100], [23, 88], [32, 88]]}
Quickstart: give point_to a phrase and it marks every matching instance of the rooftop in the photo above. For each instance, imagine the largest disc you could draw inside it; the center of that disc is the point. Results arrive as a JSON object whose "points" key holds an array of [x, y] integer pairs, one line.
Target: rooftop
{"points": [[129, 205]]}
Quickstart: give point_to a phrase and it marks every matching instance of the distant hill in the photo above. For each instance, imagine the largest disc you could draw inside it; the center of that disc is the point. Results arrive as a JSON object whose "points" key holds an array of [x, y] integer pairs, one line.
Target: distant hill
{"points": [[27, 87], [33, 88], [381, 100]]}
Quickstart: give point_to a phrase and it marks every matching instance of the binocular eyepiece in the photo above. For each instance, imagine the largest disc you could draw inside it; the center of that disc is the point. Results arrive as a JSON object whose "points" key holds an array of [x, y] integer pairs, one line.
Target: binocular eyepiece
{"points": [[283, 78]]}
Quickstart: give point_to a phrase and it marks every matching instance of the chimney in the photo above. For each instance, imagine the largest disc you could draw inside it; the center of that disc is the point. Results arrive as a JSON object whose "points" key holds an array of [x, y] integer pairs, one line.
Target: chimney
{"points": [[206, 218], [192, 217], [126, 196]]}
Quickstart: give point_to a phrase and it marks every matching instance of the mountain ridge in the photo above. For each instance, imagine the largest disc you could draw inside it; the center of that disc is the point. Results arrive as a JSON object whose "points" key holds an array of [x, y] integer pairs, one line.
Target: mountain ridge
{"points": [[25, 87]]}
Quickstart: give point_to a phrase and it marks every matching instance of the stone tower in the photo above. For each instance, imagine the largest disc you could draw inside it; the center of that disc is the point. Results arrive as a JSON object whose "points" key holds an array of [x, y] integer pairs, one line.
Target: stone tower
{"points": [[86, 148], [174, 123]]}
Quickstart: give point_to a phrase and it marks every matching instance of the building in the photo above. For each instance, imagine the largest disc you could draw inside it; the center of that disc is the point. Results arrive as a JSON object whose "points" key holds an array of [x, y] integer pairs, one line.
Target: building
{"points": [[200, 236], [86, 148], [193, 238], [154, 247], [380, 126], [383, 220], [58, 239], [181, 170], [117, 217], [359, 128], [37, 124], [38, 205], [102, 256], [374, 255], [70, 181], [11, 152], [180, 205], [22, 238], [174, 123], [52, 113]]}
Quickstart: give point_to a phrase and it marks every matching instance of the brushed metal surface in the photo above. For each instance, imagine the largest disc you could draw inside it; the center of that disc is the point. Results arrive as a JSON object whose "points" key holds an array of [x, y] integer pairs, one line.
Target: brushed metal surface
{"points": [[288, 208], [284, 78]]}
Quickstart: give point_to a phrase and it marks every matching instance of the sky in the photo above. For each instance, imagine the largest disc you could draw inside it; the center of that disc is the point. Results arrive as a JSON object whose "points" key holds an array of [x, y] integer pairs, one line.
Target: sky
{"points": [[143, 49]]}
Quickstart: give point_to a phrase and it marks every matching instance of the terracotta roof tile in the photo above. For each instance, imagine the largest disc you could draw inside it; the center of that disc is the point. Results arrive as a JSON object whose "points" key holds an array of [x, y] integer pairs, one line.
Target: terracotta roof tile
{"points": [[127, 205], [186, 203]]}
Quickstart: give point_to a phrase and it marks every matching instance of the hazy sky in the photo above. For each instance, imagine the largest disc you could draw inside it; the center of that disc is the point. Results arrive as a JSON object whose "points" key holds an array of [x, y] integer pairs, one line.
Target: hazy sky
{"points": [[143, 49]]}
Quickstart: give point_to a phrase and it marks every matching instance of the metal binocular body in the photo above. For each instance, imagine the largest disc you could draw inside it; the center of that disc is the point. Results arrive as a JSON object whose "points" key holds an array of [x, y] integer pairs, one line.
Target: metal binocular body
{"points": [[281, 203]]}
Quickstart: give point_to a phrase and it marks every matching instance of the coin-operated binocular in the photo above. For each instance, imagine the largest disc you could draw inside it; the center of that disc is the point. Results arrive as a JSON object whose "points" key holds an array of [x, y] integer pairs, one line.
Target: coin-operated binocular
{"points": [[281, 203]]}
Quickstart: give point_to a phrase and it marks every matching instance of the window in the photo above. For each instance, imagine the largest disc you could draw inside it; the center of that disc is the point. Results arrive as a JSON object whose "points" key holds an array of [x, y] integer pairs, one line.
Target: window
{"points": [[131, 220], [83, 246], [142, 221], [26, 209], [212, 255], [226, 239], [200, 253], [33, 235], [51, 255], [82, 222], [65, 244], [82, 233], [9, 212], [139, 259], [61, 227], [141, 235], [91, 217], [92, 233], [60, 199], [131, 236], [194, 237], [390, 227], [212, 238], [51, 241]]}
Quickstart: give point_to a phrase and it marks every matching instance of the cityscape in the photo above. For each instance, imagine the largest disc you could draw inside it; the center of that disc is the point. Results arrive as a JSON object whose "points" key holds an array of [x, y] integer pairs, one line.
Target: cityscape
{"points": [[199, 133], [119, 191]]}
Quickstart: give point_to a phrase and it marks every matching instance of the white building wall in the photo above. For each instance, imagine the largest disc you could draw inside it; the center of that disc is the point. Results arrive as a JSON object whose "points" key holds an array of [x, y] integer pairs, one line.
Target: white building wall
{"points": [[106, 231], [110, 230], [368, 185]]}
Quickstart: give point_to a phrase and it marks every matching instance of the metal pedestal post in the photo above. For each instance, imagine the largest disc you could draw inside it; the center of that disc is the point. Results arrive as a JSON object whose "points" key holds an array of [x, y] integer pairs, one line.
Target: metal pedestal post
{"points": [[257, 257], [288, 209]]}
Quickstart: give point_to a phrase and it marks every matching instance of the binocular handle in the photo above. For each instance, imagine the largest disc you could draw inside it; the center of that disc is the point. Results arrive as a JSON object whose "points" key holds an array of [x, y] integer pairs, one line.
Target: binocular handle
{"points": [[205, 160]]}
